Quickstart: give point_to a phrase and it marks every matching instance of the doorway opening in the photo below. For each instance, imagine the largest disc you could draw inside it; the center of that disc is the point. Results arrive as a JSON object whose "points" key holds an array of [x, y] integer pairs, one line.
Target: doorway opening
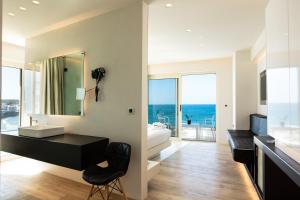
{"points": [[198, 107]]}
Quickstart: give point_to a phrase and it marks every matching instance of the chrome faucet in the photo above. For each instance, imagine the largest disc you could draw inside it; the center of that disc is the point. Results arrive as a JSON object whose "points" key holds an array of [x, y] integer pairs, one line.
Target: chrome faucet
{"points": [[31, 120]]}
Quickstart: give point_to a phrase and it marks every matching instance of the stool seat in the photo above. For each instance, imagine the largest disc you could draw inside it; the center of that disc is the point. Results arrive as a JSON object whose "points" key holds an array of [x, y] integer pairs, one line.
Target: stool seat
{"points": [[97, 175]]}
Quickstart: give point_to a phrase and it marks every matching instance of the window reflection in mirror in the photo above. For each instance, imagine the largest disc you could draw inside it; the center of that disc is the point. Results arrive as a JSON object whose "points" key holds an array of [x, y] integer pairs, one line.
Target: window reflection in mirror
{"points": [[10, 105], [50, 85]]}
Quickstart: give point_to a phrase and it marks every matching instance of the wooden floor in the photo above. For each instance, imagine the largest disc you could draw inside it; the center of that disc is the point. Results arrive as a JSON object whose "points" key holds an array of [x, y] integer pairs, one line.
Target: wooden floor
{"points": [[201, 171], [197, 171]]}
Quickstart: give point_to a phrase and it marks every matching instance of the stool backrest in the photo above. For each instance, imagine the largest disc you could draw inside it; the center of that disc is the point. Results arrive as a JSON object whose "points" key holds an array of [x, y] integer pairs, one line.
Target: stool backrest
{"points": [[118, 156]]}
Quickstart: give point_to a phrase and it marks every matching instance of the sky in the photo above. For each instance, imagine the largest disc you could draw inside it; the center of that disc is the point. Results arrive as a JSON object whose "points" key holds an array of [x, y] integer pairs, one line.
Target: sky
{"points": [[162, 91], [10, 87], [285, 85], [196, 89]]}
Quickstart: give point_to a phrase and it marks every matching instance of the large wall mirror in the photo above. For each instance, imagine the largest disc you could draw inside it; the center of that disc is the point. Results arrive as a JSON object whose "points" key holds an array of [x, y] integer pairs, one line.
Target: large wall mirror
{"points": [[51, 85]]}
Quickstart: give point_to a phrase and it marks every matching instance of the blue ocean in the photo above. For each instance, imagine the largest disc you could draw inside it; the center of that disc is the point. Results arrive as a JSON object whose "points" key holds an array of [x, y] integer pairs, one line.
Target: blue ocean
{"points": [[203, 115]]}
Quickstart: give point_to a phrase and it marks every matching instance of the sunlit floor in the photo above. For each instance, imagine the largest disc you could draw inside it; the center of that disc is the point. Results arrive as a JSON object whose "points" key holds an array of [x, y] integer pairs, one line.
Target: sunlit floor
{"points": [[198, 133], [201, 171], [189, 171]]}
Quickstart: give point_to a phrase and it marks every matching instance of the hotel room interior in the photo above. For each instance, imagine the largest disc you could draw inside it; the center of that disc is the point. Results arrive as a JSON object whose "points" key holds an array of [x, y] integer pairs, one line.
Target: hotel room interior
{"points": [[150, 99]]}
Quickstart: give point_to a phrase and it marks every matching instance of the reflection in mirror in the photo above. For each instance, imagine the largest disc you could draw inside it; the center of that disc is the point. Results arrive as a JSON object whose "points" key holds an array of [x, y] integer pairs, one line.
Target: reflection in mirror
{"points": [[51, 85]]}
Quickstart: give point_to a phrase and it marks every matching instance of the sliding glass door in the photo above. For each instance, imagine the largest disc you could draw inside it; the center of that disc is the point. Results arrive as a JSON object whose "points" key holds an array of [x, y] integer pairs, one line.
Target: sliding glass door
{"points": [[162, 100], [198, 113]]}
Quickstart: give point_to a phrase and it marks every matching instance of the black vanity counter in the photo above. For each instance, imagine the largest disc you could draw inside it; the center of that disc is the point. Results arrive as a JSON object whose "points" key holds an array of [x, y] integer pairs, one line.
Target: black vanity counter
{"points": [[289, 166], [241, 144], [68, 150]]}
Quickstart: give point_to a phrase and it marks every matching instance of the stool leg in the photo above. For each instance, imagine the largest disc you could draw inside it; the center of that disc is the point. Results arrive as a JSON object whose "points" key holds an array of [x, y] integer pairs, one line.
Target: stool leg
{"points": [[91, 192], [107, 192], [122, 188]]}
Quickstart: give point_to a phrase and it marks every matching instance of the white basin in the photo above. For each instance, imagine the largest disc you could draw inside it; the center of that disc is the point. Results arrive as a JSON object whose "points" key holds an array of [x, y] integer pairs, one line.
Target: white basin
{"points": [[41, 131]]}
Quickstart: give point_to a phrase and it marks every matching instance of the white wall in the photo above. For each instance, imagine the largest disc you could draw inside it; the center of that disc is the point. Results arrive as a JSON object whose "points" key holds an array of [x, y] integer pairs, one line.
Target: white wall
{"points": [[223, 70], [258, 56], [116, 41], [245, 89], [259, 46], [13, 55]]}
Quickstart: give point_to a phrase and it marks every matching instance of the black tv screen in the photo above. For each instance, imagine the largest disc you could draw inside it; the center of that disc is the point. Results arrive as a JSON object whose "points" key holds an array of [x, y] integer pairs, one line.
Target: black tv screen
{"points": [[263, 88]]}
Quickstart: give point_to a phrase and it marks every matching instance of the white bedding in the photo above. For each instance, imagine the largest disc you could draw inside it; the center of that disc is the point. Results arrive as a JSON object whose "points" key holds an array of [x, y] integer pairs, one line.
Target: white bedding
{"points": [[157, 136]]}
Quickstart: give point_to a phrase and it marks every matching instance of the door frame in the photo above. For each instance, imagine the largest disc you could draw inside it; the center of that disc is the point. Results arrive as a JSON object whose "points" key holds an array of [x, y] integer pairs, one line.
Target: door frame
{"points": [[179, 76]]}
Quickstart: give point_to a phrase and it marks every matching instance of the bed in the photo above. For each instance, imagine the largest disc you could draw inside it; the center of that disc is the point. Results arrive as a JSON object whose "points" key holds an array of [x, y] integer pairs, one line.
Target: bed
{"points": [[158, 139]]}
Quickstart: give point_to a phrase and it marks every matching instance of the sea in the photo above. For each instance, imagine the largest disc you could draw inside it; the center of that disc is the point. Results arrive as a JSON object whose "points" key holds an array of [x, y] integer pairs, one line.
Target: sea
{"points": [[10, 123], [203, 115], [200, 114]]}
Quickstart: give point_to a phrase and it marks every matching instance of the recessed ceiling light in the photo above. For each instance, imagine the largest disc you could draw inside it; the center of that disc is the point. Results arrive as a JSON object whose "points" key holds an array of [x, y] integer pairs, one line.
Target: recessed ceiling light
{"points": [[11, 14], [169, 5], [22, 8], [188, 30], [36, 2]]}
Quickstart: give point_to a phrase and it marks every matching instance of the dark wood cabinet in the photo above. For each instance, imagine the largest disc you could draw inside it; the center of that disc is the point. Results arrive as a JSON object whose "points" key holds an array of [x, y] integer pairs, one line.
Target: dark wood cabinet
{"points": [[68, 150], [279, 177]]}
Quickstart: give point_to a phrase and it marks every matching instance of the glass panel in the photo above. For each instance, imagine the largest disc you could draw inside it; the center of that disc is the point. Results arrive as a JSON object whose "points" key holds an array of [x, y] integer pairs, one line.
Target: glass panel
{"points": [[163, 103], [10, 115], [31, 85], [278, 69], [199, 107]]}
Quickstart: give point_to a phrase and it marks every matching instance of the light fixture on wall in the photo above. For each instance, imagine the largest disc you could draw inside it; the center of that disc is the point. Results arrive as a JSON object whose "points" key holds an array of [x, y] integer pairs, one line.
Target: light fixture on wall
{"points": [[11, 14], [80, 94], [188, 30]]}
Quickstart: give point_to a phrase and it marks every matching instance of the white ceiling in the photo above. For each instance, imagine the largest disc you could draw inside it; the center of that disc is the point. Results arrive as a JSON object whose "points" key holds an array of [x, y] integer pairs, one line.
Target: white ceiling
{"points": [[218, 27], [48, 15]]}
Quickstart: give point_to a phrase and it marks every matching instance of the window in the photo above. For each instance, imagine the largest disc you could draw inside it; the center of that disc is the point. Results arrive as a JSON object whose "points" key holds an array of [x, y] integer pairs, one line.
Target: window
{"points": [[162, 106], [10, 105], [31, 93]]}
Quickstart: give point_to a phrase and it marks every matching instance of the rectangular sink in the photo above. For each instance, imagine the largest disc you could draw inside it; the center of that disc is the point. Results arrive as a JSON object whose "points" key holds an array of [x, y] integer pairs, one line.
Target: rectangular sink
{"points": [[41, 131]]}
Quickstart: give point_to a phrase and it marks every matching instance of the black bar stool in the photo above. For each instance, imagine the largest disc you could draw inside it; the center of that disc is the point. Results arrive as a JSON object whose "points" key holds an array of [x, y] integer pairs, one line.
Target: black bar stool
{"points": [[118, 156]]}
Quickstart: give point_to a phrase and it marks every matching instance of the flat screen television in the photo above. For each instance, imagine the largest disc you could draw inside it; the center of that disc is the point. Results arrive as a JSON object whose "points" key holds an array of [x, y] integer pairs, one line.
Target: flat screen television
{"points": [[263, 88]]}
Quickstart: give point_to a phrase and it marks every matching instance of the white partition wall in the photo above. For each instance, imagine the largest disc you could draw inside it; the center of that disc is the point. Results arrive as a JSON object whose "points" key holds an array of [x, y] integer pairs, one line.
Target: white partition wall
{"points": [[116, 40]]}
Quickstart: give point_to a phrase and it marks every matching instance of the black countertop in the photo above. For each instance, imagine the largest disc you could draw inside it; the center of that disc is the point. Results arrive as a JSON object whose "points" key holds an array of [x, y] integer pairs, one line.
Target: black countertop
{"points": [[241, 145], [282, 160], [243, 139], [68, 150]]}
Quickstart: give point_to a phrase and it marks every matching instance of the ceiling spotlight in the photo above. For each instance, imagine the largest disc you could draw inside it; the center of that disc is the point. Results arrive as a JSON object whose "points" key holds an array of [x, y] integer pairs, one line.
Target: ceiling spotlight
{"points": [[23, 8], [36, 2], [188, 30], [169, 5], [11, 14]]}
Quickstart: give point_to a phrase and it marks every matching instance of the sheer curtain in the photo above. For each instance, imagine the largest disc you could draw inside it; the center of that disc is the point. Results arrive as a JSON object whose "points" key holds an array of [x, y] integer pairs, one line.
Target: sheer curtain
{"points": [[52, 86]]}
